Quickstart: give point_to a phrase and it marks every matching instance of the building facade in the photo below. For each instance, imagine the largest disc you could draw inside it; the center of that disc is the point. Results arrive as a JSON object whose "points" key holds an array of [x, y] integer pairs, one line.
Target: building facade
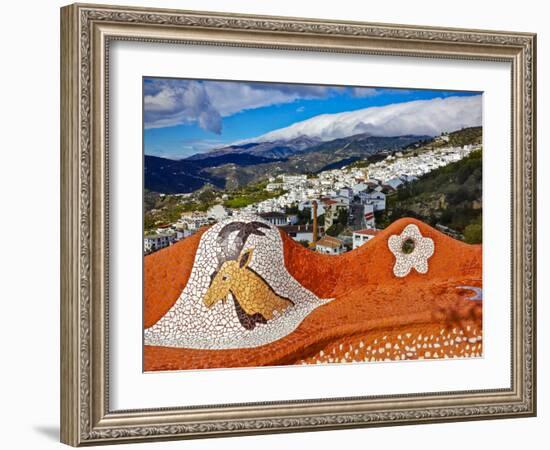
{"points": [[362, 236], [332, 210], [329, 245], [155, 242], [301, 233], [368, 216], [275, 218]]}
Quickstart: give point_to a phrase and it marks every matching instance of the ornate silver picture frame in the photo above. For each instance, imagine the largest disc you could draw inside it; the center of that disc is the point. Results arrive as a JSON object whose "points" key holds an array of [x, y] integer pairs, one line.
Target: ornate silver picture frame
{"points": [[87, 32]]}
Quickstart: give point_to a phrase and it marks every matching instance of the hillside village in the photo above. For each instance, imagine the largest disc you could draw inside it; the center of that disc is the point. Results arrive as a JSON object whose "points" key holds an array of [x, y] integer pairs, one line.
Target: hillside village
{"points": [[331, 212]]}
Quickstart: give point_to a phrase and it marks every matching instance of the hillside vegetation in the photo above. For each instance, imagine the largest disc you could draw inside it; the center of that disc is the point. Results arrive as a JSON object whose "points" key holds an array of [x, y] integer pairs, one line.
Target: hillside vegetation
{"points": [[465, 136], [450, 196], [252, 193]]}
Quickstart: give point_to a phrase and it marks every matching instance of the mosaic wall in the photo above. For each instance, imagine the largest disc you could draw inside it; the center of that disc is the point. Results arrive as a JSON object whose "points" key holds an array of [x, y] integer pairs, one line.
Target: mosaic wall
{"points": [[239, 294]]}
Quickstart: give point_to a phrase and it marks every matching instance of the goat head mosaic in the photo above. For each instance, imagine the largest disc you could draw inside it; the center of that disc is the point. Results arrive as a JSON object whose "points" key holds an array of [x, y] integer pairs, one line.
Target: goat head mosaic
{"points": [[255, 301]]}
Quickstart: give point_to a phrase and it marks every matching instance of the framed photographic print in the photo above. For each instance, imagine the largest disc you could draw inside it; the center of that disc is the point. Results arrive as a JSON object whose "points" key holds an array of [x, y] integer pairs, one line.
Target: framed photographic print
{"points": [[276, 224]]}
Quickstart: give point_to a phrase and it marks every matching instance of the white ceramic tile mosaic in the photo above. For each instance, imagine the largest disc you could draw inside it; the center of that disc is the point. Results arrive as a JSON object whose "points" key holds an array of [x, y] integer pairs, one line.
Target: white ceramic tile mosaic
{"points": [[423, 250]]}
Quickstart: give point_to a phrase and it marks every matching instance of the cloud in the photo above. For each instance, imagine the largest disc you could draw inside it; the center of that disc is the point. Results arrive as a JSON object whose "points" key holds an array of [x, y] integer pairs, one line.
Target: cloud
{"points": [[364, 92], [170, 102], [167, 104], [420, 117], [231, 97]]}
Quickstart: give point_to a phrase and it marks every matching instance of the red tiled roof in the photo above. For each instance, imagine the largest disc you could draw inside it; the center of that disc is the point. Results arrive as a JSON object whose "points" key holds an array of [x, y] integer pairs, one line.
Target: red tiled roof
{"points": [[329, 241]]}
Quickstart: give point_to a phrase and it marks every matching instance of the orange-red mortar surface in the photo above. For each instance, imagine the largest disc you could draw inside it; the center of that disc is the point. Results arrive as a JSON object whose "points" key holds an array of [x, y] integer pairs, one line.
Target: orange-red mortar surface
{"points": [[371, 307], [165, 274]]}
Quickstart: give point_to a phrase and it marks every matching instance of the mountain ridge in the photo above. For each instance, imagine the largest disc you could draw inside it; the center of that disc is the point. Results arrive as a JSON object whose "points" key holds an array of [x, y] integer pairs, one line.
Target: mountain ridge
{"points": [[234, 166], [274, 149]]}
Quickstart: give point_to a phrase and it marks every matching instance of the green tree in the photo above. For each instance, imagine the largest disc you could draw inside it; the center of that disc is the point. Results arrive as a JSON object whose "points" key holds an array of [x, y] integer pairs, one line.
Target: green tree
{"points": [[207, 196], [335, 229], [343, 217], [473, 234], [321, 220], [304, 216]]}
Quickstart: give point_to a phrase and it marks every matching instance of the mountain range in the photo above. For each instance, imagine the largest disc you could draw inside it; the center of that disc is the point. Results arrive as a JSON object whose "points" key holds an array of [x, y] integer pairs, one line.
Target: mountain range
{"points": [[239, 164], [276, 149]]}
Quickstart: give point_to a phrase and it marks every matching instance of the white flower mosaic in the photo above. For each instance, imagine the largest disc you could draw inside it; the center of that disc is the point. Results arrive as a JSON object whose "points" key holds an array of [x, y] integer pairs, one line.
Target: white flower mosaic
{"points": [[192, 324], [422, 248]]}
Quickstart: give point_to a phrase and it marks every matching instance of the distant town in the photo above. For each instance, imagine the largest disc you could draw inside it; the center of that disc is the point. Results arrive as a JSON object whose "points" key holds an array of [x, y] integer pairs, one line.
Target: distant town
{"points": [[330, 212]]}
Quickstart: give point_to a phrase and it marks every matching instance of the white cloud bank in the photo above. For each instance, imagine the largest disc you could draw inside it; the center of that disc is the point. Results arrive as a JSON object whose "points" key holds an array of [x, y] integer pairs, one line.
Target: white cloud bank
{"points": [[420, 117]]}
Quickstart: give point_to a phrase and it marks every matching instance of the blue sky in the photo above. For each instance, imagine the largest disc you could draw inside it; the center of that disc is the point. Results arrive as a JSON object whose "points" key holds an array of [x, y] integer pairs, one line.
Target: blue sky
{"points": [[183, 117]]}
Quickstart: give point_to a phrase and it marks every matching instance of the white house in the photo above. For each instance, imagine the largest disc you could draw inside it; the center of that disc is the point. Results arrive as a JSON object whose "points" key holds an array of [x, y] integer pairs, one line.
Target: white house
{"points": [[344, 200], [164, 229], [362, 236], [376, 199], [154, 242], [346, 192], [359, 187], [183, 233], [294, 178], [273, 187], [329, 245], [194, 220], [393, 183], [275, 218]]}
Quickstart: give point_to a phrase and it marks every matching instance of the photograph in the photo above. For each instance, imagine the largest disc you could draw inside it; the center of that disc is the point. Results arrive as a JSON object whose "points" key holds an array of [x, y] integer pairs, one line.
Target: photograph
{"points": [[296, 224]]}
